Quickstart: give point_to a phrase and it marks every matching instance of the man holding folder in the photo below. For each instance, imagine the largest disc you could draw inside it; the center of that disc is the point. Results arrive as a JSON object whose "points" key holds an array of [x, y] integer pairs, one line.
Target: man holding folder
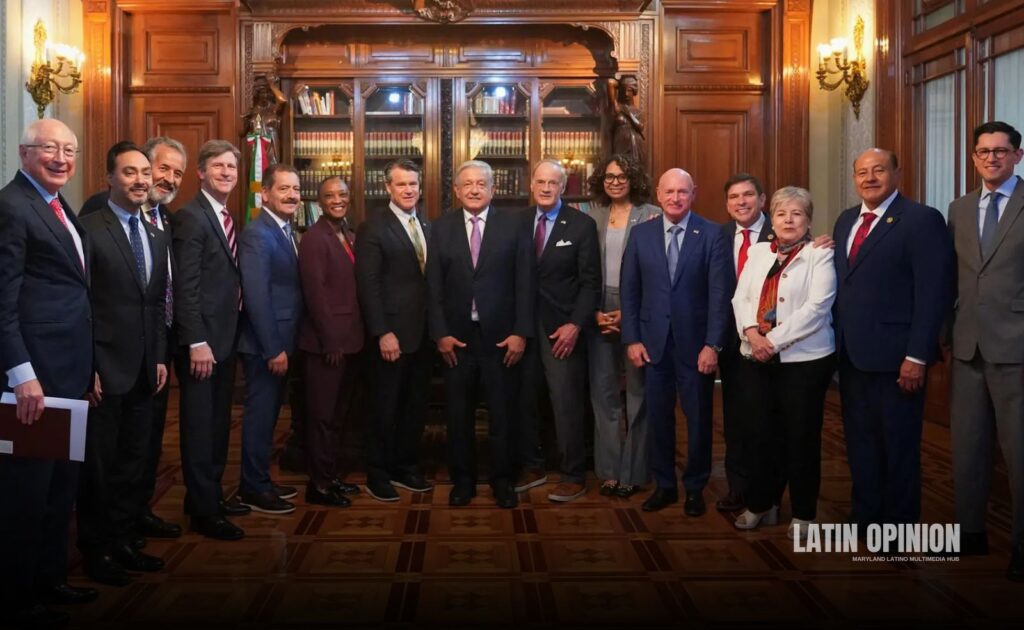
{"points": [[45, 349]]}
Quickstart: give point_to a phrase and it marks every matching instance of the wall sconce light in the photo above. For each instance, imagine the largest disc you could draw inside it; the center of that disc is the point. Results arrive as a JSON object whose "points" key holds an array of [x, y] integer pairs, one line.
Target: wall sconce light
{"points": [[56, 68], [833, 59]]}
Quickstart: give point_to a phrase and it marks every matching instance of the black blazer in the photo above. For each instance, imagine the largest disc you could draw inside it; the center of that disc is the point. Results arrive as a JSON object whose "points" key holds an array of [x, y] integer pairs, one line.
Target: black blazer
{"points": [[568, 275], [767, 233], [207, 282], [95, 203], [501, 283], [45, 316], [130, 330], [392, 289]]}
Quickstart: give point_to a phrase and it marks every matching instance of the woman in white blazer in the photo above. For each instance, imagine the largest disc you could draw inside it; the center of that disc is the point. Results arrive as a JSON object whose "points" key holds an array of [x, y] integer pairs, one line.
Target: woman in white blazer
{"points": [[783, 307]]}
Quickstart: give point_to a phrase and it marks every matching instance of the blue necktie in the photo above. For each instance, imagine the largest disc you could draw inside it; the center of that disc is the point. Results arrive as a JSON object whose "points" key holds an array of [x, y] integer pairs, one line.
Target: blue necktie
{"points": [[291, 236], [673, 252], [990, 225], [136, 241]]}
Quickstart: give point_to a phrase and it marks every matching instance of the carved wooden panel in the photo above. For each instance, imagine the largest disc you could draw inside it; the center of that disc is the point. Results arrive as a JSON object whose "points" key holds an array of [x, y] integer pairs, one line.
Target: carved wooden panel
{"points": [[180, 49], [709, 51], [179, 52], [716, 47]]}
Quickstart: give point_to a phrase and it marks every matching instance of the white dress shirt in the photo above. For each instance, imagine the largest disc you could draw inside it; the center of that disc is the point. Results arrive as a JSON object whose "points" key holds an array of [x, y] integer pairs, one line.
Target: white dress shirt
{"points": [[1004, 190], [123, 217], [468, 216], [218, 207], [403, 218], [879, 212], [667, 225], [737, 240]]}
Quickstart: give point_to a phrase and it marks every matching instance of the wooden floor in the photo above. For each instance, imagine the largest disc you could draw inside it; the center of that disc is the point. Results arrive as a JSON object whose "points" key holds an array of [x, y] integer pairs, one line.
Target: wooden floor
{"points": [[596, 561]]}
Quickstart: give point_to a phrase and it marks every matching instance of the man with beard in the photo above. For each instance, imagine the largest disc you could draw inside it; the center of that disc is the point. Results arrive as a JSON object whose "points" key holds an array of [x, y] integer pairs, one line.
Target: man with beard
{"points": [[128, 271], [168, 159], [207, 300], [272, 299], [330, 336]]}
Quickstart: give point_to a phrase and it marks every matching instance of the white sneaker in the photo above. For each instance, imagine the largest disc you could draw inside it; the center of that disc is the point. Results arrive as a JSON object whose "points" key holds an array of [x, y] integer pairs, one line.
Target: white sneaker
{"points": [[798, 524], [750, 520]]}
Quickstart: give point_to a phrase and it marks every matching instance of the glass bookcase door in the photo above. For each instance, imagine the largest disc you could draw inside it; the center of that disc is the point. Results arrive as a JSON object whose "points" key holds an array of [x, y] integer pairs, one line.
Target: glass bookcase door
{"points": [[571, 133], [394, 130], [499, 134], [322, 140]]}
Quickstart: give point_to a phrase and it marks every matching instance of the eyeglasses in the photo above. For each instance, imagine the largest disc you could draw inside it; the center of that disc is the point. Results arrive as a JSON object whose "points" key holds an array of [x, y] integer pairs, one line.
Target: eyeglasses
{"points": [[50, 149], [1000, 153], [612, 178]]}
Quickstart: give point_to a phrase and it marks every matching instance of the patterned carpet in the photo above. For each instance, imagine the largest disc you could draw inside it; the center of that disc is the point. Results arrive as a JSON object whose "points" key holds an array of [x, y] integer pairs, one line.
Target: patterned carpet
{"points": [[596, 561]]}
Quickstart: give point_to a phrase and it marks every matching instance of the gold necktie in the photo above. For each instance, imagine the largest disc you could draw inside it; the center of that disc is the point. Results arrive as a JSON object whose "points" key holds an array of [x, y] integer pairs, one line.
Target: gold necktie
{"points": [[417, 244]]}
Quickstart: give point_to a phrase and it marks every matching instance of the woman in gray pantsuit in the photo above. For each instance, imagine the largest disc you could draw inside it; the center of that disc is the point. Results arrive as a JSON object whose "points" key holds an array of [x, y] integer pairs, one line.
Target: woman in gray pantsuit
{"points": [[619, 188]]}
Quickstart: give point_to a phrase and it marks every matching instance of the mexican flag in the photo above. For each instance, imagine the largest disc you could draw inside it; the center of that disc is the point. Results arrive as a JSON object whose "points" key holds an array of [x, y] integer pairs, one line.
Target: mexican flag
{"points": [[260, 157]]}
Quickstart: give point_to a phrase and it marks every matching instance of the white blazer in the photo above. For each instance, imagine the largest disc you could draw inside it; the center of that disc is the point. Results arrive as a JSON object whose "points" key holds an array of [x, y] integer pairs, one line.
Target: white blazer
{"points": [[807, 289]]}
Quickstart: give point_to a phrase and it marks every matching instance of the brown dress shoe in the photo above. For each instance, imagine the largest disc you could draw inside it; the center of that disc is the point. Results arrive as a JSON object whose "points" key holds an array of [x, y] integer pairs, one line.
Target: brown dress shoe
{"points": [[531, 479], [567, 491]]}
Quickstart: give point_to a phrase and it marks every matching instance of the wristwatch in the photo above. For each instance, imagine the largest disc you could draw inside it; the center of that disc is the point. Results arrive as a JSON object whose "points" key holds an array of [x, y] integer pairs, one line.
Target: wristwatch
{"points": [[715, 348]]}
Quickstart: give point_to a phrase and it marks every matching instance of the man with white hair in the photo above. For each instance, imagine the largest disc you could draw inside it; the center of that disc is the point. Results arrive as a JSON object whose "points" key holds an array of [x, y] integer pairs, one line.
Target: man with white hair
{"points": [[46, 349]]}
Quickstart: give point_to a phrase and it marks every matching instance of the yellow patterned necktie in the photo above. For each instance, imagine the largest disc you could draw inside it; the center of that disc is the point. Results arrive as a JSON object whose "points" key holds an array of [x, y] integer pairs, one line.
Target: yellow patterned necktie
{"points": [[417, 244]]}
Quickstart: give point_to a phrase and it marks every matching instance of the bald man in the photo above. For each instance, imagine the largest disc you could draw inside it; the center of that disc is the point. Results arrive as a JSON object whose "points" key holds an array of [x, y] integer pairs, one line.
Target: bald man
{"points": [[894, 265], [677, 283], [46, 350]]}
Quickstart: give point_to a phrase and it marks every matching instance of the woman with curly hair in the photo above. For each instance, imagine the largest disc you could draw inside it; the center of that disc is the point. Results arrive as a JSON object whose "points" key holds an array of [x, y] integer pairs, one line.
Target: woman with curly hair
{"points": [[619, 190]]}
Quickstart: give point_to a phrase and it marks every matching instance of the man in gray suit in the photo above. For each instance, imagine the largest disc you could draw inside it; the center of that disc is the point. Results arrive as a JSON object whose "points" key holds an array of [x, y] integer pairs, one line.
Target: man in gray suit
{"points": [[987, 226]]}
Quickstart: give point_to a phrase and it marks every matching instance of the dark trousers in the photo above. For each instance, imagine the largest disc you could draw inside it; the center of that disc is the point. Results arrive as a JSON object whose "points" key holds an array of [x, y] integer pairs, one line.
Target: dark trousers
{"points": [[205, 424], [401, 391], [565, 380], [883, 444], [738, 421], [665, 380], [35, 512], [263, 395], [116, 445], [147, 487], [480, 363], [328, 399], [786, 402]]}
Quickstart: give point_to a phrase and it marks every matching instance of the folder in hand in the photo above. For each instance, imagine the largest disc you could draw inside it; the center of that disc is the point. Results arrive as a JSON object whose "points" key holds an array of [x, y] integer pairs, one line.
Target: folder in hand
{"points": [[58, 434]]}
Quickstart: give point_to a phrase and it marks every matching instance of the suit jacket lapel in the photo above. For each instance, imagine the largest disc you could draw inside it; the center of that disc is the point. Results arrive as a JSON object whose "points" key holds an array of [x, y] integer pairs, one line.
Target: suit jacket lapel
{"points": [[969, 224], [885, 224], [217, 228], [279, 234], [49, 217], [692, 235], [561, 225], [399, 232], [1011, 212], [116, 231]]}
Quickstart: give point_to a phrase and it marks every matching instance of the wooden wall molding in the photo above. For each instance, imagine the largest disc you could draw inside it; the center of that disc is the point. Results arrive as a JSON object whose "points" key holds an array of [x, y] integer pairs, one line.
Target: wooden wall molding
{"points": [[716, 87], [193, 89]]}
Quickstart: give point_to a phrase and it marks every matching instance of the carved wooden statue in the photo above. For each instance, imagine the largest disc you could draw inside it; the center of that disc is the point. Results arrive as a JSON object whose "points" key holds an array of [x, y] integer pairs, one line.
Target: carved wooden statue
{"points": [[267, 105], [627, 128]]}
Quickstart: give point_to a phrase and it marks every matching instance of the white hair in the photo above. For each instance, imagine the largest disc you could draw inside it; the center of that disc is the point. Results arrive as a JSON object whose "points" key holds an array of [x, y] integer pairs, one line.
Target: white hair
{"points": [[561, 169], [34, 128], [483, 166]]}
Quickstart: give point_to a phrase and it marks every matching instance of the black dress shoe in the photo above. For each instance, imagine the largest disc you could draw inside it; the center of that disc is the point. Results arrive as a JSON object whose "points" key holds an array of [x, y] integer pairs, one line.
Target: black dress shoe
{"points": [[625, 490], [346, 488], [267, 502], [505, 496], [732, 502], [152, 526], [973, 544], [105, 570], [38, 616], [608, 489], [135, 560], [66, 595], [694, 505], [234, 507], [333, 496], [412, 481], [461, 495], [382, 491], [660, 499], [285, 492], [1015, 572], [137, 541], [216, 527]]}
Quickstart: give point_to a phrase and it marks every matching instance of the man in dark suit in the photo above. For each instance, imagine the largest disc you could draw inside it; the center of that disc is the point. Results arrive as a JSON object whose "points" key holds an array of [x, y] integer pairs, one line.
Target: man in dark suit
{"points": [[95, 203], [893, 266], [45, 349], [207, 299], [744, 200], [330, 338], [677, 284], [272, 298], [568, 269], [391, 255], [128, 270], [481, 313], [988, 326]]}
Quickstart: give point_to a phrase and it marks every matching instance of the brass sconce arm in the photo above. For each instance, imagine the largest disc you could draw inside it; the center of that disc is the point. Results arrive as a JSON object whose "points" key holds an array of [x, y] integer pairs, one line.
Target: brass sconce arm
{"points": [[48, 78], [833, 60]]}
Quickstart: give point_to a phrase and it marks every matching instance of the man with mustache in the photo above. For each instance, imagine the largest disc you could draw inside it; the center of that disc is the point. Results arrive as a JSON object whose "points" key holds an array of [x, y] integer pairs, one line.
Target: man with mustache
{"points": [[128, 271], [392, 257], [330, 336], [46, 349], [168, 159], [207, 300], [272, 298]]}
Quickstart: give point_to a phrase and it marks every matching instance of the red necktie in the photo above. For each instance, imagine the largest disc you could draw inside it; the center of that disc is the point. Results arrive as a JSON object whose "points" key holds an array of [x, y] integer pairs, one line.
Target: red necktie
{"points": [[540, 234], [229, 233], [59, 211], [862, 233], [347, 246], [744, 248]]}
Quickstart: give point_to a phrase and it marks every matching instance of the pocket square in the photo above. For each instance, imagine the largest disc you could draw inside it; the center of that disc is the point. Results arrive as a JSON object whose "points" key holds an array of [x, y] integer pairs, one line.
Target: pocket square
{"points": [[563, 243]]}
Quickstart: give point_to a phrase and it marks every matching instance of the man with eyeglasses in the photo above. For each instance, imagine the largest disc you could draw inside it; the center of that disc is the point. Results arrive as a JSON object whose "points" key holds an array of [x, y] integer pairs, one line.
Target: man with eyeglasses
{"points": [[46, 349], [987, 399]]}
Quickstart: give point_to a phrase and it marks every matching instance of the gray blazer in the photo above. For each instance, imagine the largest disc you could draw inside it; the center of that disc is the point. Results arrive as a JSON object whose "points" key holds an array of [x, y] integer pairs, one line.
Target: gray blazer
{"points": [[989, 311], [637, 215]]}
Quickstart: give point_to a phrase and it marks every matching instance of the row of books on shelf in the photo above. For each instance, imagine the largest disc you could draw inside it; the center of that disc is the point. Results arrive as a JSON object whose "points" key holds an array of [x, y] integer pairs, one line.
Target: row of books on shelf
{"points": [[575, 142], [494, 104], [316, 103], [506, 143], [508, 181], [312, 143], [310, 178], [390, 143], [307, 214]]}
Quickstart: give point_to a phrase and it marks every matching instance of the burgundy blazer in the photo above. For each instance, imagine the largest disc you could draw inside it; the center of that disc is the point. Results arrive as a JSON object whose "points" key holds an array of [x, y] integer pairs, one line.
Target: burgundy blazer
{"points": [[332, 321]]}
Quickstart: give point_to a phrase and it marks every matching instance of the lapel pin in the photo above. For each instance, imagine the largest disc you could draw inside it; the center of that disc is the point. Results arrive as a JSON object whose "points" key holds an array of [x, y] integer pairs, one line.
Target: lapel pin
{"points": [[771, 236], [696, 231], [562, 221], [888, 219]]}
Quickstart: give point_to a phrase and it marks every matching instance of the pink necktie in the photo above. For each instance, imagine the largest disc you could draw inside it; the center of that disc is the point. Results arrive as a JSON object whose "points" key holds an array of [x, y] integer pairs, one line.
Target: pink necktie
{"points": [[59, 211]]}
